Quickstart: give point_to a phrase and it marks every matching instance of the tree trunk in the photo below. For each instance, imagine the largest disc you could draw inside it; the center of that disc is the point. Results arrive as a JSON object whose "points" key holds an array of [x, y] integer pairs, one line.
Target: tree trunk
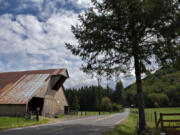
{"points": [[142, 121]]}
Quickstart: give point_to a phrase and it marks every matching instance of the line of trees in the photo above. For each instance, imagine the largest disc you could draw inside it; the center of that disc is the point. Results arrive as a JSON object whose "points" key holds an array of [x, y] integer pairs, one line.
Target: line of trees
{"points": [[93, 98], [161, 89]]}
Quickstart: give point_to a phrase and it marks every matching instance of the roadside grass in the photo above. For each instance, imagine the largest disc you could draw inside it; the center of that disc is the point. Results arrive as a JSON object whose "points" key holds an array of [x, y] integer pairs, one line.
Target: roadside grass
{"points": [[61, 116], [15, 122], [128, 127], [94, 113]]}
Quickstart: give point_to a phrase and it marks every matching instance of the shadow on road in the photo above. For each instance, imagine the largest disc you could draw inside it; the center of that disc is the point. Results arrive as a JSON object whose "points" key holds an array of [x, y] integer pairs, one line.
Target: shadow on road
{"points": [[74, 129]]}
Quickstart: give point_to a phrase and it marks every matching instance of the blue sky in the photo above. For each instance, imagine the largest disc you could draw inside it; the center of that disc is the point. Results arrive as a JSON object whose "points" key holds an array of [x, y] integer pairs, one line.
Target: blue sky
{"points": [[33, 35]]}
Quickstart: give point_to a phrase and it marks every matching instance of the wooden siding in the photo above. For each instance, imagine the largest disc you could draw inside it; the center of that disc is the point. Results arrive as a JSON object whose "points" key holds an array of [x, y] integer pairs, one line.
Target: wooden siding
{"points": [[54, 102], [12, 110]]}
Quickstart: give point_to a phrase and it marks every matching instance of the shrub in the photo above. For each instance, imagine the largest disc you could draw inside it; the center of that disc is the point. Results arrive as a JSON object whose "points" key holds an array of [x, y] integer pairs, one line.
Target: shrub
{"points": [[106, 104], [116, 107]]}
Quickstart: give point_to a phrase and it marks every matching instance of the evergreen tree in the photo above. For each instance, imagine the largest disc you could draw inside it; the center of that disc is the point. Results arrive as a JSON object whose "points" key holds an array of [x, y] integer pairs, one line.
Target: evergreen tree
{"points": [[115, 35], [75, 102], [119, 94]]}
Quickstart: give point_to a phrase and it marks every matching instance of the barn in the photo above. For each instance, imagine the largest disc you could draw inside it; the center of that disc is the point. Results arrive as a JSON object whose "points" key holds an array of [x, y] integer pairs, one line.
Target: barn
{"points": [[25, 91]]}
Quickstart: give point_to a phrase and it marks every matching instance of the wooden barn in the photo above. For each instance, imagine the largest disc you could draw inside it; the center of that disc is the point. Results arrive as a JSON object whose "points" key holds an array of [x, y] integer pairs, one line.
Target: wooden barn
{"points": [[25, 91]]}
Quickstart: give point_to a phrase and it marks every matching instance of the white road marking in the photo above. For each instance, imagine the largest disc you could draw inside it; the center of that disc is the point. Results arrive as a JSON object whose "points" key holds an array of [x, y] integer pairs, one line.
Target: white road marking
{"points": [[119, 122], [104, 118]]}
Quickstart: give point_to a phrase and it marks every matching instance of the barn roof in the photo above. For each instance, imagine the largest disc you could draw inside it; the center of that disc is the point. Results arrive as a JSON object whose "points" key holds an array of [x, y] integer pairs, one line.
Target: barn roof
{"points": [[18, 87]]}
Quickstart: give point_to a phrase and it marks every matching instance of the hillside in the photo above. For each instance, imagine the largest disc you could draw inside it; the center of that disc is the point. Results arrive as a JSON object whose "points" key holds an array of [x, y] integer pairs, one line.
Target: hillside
{"points": [[161, 89]]}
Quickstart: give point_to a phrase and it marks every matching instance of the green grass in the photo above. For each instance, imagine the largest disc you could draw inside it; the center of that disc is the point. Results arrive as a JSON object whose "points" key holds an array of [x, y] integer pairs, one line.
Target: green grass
{"points": [[126, 128], [94, 113], [150, 114], [14, 122], [129, 126], [161, 110], [61, 116]]}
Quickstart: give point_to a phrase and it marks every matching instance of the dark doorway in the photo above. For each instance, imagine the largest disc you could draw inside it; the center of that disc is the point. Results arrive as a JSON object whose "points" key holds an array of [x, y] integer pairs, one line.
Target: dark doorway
{"points": [[35, 103], [66, 109]]}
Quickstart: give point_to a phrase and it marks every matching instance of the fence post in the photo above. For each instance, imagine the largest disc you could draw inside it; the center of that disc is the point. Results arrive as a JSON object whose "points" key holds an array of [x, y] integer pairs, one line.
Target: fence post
{"points": [[155, 118], [161, 119]]}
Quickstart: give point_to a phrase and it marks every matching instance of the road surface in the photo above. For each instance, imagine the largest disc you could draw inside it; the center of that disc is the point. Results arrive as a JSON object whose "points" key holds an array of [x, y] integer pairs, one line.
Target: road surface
{"points": [[94, 125]]}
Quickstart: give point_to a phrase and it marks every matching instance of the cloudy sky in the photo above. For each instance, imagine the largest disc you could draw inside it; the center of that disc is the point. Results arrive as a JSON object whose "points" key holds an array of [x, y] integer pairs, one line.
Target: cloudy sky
{"points": [[33, 35]]}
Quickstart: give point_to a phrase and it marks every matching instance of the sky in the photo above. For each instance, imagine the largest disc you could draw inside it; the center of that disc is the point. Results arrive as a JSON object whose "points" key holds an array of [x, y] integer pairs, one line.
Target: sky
{"points": [[33, 35]]}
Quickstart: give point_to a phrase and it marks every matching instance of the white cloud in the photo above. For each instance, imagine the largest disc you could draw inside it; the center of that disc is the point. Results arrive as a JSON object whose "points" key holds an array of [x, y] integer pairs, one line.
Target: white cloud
{"points": [[27, 43], [43, 47], [84, 3]]}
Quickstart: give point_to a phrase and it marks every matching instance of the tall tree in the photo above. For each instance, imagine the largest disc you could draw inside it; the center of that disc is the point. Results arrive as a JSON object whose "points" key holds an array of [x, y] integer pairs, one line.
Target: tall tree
{"points": [[75, 102], [117, 35], [119, 95]]}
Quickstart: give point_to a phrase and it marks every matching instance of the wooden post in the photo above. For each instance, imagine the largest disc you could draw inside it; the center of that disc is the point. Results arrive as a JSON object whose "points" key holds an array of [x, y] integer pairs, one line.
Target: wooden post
{"points": [[161, 120], [151, 117], [155, 118], [99, 96], [37, 114]]}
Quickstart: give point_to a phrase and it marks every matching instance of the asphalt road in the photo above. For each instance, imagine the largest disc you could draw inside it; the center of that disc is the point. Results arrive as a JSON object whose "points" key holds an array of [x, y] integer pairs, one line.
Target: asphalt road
{"points": [[94, 125]]}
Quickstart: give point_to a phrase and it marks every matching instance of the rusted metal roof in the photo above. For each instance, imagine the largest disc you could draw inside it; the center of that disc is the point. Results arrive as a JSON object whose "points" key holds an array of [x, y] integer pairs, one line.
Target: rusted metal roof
{"points": [[19, 87], [21, 91], [11, 77]]}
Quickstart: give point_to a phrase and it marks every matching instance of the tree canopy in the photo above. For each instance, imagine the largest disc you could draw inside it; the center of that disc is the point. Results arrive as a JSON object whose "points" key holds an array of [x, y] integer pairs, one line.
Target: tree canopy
{"points": [[112, 33]]}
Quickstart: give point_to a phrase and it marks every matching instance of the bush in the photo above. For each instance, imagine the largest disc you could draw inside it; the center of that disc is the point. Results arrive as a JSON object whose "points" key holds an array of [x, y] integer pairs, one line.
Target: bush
{"points": [[106, 104], [117, 107]]}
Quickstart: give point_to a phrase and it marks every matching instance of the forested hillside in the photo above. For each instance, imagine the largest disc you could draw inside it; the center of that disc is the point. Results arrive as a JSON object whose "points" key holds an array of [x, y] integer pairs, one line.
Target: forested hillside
{"points": [[161, 89]]}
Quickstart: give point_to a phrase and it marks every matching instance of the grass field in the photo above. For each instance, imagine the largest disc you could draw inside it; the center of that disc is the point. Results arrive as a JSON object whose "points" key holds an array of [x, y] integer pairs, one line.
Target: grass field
{"points": [[14, 122], [91, 113], [162, 110], [150, 114], [126, 128]]}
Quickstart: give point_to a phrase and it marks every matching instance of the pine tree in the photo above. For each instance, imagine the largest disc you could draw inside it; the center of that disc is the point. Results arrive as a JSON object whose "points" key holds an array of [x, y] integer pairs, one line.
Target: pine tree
{"points": [[119, 94], [116, 35]]}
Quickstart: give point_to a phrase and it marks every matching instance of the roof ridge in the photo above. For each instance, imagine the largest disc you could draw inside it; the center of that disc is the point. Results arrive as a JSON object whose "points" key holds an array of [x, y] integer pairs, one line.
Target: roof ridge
{"points": [[21, 71]]}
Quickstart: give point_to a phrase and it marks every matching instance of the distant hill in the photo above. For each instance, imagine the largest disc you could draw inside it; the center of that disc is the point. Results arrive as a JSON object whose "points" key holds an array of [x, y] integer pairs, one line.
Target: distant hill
{"points": [[161, 89]]}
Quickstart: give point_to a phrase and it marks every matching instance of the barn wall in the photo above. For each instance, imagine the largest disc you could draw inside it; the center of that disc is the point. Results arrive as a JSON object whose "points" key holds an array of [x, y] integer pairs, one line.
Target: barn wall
{"points": [[54, 102], [12, 110]]}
